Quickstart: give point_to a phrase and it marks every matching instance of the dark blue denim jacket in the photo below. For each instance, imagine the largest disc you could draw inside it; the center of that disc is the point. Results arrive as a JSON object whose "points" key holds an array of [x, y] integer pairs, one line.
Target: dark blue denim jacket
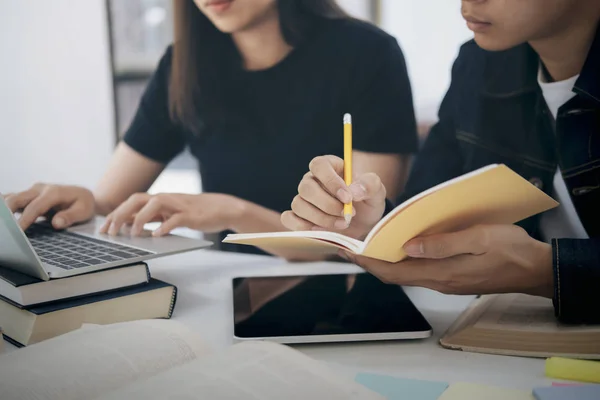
{"points": [[494, 112]]}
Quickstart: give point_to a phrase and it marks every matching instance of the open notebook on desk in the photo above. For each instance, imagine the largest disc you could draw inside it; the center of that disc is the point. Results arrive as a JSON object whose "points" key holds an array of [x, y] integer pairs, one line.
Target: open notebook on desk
{"points": [[491, 195]]}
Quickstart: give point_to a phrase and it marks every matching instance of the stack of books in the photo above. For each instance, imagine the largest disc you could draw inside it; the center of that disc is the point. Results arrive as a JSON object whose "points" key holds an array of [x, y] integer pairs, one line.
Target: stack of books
{"points": [[33, 310]]}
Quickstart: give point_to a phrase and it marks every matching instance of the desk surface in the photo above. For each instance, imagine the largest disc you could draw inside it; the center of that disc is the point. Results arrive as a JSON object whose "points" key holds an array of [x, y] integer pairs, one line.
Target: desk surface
{"points": [[205, 305]]}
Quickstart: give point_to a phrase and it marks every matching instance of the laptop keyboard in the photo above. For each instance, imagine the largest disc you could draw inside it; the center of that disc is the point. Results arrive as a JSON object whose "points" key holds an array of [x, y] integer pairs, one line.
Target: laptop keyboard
{"points": [[70, 250]]}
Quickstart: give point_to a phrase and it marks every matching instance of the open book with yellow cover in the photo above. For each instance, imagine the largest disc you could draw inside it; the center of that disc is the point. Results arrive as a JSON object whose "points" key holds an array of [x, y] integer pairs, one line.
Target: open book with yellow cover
{"points": [[490, 195]]}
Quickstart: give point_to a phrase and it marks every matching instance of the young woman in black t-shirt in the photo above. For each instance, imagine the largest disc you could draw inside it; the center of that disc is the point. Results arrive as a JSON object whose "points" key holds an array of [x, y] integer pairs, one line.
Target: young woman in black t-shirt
{"points": [[248, 86]]}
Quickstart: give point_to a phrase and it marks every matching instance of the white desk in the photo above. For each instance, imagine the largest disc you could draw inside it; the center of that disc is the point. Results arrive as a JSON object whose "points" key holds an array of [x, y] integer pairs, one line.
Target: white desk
{"points": [[205, 304]]}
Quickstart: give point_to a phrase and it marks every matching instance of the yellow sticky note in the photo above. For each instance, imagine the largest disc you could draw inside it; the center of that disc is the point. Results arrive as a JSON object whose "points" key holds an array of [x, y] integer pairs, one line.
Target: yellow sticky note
{"points": [[471, 391], [573, 370]]}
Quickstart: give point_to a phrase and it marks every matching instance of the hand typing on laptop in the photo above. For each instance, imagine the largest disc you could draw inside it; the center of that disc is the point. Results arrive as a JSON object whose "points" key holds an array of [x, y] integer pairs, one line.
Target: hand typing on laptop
{"points": [[65, 205], [208, 212], [43, 252]]}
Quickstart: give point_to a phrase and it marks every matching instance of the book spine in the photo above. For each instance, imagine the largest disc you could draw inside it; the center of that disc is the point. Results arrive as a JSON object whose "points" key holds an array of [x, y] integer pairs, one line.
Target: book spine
{"points": [[148, 276], [13, 342], [173, 301]]}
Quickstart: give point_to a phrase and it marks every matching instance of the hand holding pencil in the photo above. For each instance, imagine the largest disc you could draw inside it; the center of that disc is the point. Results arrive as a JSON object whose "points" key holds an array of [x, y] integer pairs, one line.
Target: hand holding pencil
{"points": [[329, 198]]}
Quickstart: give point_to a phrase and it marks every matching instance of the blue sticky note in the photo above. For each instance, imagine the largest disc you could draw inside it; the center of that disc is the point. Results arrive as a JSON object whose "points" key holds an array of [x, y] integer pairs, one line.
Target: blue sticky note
{"points": [[402, 389], [580, 392]]}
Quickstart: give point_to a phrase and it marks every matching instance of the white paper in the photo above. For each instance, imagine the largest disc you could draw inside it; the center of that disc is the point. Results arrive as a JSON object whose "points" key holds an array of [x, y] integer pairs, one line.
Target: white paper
{"points": [[249, 371], [87, 363]]}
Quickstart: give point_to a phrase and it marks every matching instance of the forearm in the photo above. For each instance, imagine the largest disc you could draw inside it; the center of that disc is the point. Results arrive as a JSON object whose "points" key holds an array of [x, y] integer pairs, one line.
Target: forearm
{"points": [[104, 206], [128, 172], [576, 266], [252, 218]]}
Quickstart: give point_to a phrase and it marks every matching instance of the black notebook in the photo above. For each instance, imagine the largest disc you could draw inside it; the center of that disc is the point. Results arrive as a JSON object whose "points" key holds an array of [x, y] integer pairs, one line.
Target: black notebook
{"points": [[25, 291]]}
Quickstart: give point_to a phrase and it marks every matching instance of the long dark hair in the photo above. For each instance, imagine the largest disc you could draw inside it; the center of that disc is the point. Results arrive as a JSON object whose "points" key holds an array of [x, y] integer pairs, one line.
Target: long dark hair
{"points": [[205, 60]]}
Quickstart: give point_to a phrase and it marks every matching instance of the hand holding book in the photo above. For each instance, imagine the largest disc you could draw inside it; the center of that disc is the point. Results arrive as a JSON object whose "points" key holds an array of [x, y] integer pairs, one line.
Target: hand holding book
{"points": [[456, 237], [483, 259], [457, 261]]}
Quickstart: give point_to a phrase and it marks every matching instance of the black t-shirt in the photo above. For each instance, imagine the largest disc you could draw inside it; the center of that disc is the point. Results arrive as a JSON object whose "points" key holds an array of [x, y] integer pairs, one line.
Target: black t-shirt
{"points": [[297, 107]]}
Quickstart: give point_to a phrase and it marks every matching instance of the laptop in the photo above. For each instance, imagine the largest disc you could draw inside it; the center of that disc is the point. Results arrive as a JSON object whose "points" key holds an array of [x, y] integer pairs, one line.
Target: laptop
{"points": [[45, 253]]}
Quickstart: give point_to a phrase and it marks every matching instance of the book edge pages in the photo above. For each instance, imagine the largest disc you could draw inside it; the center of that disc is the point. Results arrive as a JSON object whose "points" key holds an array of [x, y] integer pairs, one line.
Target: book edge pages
{"points": [[522, 353], [321, 236], [473, 313], [470, 314]]}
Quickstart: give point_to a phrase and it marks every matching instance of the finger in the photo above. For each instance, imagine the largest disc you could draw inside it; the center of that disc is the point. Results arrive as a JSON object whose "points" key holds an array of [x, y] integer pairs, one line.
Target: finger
{"points": [[147, 214], [310, 190], [314, 215], [469, 241], [77, 212], [295, 223], [328, 171], [125, 212], [40, 206], [107, 222], [175, 221], [18, 202], [369, 189], [424, 273]]}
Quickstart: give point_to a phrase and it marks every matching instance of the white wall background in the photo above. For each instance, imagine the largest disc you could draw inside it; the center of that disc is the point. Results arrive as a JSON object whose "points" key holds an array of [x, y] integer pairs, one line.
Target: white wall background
{"points": [[430, 33], [56, 106], [356, 8]]}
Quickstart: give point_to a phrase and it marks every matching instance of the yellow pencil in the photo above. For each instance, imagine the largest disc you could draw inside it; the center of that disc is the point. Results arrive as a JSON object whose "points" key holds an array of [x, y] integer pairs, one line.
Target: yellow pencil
{"points": [[348, 162]]}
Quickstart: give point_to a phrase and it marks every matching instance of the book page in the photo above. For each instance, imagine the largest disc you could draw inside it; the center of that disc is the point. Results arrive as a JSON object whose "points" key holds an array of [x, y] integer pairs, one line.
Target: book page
{"points": [[87, 363], [392, 214], [249, 371], [312, 241], [490, 195]]}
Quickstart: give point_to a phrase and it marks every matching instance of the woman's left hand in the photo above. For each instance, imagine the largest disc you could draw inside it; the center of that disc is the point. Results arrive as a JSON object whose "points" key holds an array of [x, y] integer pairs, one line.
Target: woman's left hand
{"points": [[479, 260], [207, 212]]}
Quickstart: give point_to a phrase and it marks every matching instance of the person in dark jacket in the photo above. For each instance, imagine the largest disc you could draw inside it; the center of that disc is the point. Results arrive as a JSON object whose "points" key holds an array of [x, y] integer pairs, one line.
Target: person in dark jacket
{"points": [[525, 93]]}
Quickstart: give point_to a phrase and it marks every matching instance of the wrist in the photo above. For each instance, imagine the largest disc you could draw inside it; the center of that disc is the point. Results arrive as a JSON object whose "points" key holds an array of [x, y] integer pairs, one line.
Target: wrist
{"points": [[543, 278], [233, 209]]}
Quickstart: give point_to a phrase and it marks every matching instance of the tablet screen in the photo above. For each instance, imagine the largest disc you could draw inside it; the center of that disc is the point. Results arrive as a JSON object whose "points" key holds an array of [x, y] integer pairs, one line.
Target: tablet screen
{"points": [[321, 305]]}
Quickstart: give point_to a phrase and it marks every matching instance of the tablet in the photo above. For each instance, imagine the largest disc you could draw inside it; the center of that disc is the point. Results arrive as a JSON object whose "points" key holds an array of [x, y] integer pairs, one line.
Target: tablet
{"points": [[324, 308]]}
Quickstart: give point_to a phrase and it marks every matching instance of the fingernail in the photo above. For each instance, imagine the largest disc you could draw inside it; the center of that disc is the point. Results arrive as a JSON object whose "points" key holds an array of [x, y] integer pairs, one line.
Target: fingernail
{"points": [[157, 232], [59, 223], [344, 196], [359, 192], [343, 212], [414, 249], [113, 231], [340, 224]]}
